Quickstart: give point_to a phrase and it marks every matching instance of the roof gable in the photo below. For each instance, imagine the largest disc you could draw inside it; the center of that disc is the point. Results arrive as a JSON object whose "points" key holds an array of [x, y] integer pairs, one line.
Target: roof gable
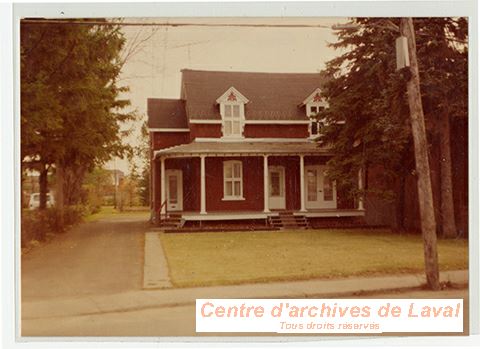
{"points": [[315, 97], [232, 95]]}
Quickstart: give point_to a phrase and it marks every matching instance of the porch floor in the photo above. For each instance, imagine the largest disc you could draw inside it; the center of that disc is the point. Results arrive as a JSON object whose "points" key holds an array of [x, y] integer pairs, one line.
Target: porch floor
{"points": [[240, 215]]}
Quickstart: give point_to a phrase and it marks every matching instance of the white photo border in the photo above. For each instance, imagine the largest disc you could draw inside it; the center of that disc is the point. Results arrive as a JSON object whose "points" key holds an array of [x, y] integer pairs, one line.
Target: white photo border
{"points": [[10, 152]]}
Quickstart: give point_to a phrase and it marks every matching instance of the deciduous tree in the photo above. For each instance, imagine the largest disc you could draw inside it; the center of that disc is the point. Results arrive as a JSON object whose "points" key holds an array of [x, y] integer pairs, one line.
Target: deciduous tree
{"points": [[72, 105]]}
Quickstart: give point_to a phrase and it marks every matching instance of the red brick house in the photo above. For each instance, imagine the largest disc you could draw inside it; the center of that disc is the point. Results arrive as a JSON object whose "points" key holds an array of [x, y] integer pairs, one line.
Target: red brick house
{"points": [[240, 146]]}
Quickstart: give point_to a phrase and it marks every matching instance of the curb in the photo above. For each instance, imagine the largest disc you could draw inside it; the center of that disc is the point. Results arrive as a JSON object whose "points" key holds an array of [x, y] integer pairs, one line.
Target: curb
{"points": [[143, 299]]}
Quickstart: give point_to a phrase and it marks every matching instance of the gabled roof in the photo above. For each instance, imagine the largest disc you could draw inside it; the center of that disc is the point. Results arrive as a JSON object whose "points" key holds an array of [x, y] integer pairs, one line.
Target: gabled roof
{"points": [[166, 113], [272, 96]]}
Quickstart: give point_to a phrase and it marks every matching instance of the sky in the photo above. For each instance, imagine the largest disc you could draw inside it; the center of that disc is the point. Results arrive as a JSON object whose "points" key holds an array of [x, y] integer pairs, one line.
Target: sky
{"points": [[155, 68]]}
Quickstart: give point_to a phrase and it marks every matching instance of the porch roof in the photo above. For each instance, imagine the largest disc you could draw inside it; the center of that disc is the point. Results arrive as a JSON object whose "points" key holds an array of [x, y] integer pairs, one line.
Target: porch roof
{"points": [[244, 148]]}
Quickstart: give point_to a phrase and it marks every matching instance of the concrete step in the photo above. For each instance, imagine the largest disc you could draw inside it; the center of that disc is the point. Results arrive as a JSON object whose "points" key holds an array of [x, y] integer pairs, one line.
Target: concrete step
{"points": [[287, 220]]}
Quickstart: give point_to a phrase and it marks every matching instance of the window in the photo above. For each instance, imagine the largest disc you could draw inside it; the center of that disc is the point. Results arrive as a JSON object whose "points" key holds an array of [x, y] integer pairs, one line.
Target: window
{"points": [[232, 180], [232, 120], [275, 187], [327, 187], [315, 123], [315, 109], [312, 185], [232, 110]]}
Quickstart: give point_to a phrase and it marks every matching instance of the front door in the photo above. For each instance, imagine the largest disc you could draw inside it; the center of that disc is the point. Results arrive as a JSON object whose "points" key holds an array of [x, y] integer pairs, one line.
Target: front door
{"points": [[320, 191], [174, 190], [276, 187]]}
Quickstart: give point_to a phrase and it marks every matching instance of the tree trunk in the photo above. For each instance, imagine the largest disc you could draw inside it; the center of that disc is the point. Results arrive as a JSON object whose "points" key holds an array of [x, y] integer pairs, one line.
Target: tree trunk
{"points": [[72, 184], [59, 204], [43, 187], [449, 229], [425, 195], [400, 205]]}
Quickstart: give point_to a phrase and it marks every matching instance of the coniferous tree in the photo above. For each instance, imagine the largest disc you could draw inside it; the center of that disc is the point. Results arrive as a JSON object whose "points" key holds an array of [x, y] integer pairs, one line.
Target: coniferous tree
{"points": [[365, 90]]}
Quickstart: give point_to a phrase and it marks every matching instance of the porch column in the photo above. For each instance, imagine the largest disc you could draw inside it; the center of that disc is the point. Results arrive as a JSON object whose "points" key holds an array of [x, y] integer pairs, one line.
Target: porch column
{"points": [[162, 185], [265, 184], [360, 187], [153, 178], [203, 205], [302, 184]]}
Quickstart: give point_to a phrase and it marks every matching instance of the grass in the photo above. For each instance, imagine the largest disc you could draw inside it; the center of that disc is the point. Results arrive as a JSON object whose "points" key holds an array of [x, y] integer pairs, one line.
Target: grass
{"points": [[111, 212], [205, 259]]}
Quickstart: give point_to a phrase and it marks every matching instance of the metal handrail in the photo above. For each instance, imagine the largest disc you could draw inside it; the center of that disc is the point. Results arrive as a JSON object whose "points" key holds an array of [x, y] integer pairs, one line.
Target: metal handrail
{"points": [[159, 211]]}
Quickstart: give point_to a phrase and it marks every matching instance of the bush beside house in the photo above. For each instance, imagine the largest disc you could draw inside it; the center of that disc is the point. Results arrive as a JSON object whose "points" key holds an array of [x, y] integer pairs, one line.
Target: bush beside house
{"points": [[37, 225]]}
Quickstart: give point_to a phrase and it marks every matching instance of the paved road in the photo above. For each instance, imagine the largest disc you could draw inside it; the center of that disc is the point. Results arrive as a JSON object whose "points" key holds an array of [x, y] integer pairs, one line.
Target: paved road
{"points": [[169, 321], [93, 258]]}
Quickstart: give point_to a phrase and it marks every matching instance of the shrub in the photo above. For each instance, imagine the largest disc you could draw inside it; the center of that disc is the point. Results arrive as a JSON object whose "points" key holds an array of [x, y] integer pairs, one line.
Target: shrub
{"points": [[37, 224], [33, 226], [74, 214]]}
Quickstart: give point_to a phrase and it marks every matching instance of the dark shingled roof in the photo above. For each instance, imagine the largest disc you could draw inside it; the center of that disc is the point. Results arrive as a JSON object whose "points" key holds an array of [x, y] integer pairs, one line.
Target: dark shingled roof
{"points": [[272, 96], [166, 113]]}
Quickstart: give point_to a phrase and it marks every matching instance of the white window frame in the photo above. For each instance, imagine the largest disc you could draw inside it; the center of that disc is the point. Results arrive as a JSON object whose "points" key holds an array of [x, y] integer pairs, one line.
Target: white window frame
{"points": [[240, 119], [312, 117], [317, 106], [232, 97], [233, 179]]}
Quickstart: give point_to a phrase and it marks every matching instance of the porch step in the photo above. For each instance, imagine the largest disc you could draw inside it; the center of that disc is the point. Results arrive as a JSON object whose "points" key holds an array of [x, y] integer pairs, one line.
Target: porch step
{"points": [[287, 220], [173, 221]]}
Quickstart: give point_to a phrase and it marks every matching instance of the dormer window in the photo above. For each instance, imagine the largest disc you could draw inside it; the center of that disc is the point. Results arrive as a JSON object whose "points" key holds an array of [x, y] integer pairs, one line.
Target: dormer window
{"points": [[314, 109], [315, 121], [232, 110], [315, 104], [232, 120]]}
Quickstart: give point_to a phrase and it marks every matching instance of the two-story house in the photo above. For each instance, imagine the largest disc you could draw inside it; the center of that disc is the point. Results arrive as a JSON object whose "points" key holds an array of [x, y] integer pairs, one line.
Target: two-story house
{"points": [[240, 146]]}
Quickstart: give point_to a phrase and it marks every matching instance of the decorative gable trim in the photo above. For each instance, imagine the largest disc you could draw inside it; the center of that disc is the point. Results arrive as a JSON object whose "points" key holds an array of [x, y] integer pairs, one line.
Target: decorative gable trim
{"points": [[315, 97], [232, 95]]}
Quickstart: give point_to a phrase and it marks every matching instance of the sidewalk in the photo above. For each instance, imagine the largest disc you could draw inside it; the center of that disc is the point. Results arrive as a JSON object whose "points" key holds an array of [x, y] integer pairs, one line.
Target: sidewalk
{"points": [[138, 300]]}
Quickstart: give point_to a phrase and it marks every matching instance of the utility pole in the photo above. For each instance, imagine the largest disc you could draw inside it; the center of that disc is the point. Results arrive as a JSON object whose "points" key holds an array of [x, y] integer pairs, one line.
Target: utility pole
{"points": [[424, 185], [115, 183]]}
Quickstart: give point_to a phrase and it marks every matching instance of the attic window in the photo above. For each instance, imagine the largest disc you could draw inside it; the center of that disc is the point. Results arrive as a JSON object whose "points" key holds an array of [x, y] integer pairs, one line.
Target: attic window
{"points": [[232, 120], [232, 110], [314, 104], [314, 109]]}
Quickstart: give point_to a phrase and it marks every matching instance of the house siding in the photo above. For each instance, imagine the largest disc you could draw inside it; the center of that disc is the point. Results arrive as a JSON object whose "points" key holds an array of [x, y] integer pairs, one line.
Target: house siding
{"points": [[162, 140], [205, 131], [252, 183], [276, 131]]}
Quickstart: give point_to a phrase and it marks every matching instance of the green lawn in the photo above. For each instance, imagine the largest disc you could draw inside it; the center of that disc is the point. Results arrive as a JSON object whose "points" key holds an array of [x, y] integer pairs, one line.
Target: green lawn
{"points": [[111, 212], [200, 259]]}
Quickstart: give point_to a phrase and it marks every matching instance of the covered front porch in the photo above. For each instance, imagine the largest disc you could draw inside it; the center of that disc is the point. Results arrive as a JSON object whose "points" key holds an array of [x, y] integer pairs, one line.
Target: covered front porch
{"points": [[214, 181]]}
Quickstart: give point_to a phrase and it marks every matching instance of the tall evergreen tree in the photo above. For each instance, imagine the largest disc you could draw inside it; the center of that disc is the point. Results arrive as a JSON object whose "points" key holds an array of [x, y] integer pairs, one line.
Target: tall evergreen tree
{"points": [[365, 90]]}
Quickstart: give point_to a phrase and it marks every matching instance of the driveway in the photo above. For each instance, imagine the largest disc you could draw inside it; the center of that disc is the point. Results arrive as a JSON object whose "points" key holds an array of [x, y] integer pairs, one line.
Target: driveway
{"points": [[101, 257]]}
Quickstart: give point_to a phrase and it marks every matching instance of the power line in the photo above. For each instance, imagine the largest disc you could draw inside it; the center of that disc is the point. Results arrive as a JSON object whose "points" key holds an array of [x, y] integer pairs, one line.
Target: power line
{"points": [[334, 27], [172, 24]]}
